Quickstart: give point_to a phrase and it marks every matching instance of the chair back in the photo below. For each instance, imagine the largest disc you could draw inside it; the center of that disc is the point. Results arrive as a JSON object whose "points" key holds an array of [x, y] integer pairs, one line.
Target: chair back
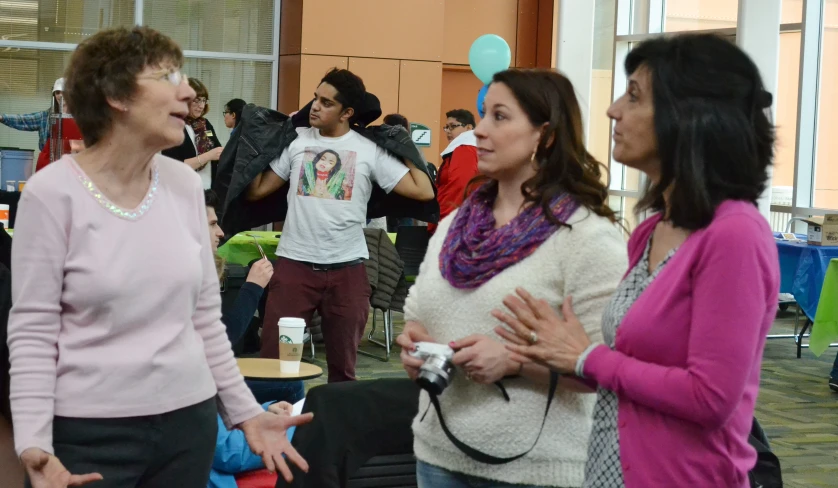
{"points": [[411, 244]]}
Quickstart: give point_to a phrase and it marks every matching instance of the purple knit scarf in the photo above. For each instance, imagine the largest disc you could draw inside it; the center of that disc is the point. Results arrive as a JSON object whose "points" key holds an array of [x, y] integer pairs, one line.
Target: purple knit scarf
{"points": [[474, 251]]}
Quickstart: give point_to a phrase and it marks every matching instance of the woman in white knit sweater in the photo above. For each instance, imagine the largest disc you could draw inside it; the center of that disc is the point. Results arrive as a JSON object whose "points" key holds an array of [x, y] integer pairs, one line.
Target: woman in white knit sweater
{"points": [[541, 220]]}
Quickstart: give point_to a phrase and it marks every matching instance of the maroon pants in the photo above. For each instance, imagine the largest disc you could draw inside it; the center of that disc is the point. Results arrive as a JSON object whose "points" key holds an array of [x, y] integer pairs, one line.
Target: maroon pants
{"points": [[340, 296]]}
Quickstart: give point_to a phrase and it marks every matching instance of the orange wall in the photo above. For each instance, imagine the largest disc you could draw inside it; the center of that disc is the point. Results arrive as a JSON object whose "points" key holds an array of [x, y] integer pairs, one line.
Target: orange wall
{"points": [[399, 49], [466, 20], [404, 29], [419, 99]]}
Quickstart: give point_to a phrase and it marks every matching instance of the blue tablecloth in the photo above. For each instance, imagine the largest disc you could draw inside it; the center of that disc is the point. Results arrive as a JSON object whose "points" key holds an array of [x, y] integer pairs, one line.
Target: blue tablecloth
{"points": [[802, 269]]}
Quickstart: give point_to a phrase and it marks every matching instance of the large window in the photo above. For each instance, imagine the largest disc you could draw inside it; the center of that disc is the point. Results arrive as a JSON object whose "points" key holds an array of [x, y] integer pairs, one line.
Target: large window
{"points": [[229, 26], [691, 15], [805, 173], [65, 21], [825, 194], [230, 45]]}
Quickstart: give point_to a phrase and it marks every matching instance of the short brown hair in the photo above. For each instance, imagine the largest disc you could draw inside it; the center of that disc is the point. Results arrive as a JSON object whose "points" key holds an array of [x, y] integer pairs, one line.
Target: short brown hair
{"points": [[106, 66], [200, 91]]}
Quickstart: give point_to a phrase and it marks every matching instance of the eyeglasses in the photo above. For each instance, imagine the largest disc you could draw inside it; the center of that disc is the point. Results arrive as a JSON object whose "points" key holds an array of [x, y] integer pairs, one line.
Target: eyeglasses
{"points": [[200, 101], [173, 76], [226, 112], [450, 127]]}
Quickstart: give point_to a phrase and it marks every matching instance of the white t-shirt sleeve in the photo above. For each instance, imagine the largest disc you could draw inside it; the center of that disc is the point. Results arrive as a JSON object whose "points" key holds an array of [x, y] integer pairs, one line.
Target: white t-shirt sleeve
{"points": [[387, 170], [282, 165]]}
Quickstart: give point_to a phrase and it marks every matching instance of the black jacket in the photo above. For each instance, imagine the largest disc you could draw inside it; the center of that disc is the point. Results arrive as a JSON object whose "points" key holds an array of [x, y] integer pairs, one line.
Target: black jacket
{"points": [[262, 136]]}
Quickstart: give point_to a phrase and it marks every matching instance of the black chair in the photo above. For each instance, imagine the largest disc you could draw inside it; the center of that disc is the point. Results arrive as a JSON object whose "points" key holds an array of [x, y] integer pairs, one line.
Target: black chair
{"points": [[360, 437], [411, 244]]}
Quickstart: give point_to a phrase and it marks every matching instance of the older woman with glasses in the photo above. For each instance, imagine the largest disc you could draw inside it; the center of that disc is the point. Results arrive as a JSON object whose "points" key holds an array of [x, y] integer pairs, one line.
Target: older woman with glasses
{"points": [[119, 358], [200, 144]]}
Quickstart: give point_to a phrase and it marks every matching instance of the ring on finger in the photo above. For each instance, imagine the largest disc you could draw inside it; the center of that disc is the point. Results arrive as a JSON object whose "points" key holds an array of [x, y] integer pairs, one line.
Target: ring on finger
{"points": [[533, 338]]}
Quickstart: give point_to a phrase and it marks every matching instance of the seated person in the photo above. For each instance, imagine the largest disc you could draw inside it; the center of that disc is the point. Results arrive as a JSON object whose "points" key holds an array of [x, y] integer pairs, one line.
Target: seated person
{"points": [[233, 455], [238, 318]]}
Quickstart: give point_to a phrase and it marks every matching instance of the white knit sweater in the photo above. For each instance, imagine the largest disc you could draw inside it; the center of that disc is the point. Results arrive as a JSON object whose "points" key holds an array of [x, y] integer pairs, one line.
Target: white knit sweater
{"points": [[586, 263]]}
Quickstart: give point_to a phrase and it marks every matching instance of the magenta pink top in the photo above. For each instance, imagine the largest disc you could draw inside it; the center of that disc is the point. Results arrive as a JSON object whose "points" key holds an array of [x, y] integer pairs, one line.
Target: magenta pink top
{"points": [[687, 356], [115, 313]]}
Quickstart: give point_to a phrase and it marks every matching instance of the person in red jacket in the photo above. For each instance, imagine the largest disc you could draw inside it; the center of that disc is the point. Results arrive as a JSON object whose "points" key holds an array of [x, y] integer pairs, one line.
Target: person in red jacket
{"points": [[459, 162]]}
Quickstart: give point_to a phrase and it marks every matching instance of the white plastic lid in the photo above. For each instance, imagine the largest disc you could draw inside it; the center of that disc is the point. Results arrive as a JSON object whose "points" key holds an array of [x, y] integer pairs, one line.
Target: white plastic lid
{"points": [[292, 322]]}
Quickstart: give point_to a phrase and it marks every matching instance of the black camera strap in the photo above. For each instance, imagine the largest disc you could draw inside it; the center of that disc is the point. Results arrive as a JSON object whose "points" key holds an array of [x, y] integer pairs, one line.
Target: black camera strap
{"points": [[488, 458]]}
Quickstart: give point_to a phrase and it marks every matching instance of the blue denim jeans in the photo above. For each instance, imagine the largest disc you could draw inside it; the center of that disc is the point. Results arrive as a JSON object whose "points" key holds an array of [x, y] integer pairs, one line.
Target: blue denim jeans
{"points": [[430, 476], [277, 391]]}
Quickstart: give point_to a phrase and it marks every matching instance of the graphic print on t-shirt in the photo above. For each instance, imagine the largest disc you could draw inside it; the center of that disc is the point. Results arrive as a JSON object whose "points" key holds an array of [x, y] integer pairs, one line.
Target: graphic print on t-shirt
{"points": [[327, 173]]}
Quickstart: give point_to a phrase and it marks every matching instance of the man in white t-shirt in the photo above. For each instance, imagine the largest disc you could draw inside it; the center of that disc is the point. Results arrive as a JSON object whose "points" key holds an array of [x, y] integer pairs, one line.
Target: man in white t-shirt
{"points": [[331, 170]]}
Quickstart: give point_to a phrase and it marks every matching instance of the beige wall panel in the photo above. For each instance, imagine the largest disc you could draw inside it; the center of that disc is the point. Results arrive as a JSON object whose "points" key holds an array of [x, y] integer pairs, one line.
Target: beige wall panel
{"points": [[404, 29], [312, 69], [459, 90], [419, 99], [381, 77], [466, 20]]}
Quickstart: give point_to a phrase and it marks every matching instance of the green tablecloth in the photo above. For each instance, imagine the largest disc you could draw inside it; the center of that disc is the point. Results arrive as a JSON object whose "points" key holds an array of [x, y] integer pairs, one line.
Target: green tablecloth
{"points": [[241, 248], [825, 328]]}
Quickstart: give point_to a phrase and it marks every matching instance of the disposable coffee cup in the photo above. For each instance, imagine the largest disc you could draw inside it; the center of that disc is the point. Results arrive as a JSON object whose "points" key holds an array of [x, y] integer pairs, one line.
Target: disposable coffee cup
{"points": [[291, 331]]}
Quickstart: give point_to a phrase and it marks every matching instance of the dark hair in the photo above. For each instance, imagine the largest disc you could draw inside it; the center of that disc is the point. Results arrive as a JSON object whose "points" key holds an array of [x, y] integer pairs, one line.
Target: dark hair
{"points": [[350, 87], [715, 140], [335, 169], [462, 116], [564, 164], [211, 199], [200, 92], [397, 119], [106, 66], [235, 106]]}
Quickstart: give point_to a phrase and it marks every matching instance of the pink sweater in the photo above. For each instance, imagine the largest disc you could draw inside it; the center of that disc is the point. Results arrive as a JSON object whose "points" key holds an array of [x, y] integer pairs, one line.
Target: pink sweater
{"points": [[687, 357], [114, 317]]}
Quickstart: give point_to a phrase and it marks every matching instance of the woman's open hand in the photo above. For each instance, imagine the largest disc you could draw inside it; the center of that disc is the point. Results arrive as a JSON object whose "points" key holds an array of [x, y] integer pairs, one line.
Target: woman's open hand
{"points": [[46, 471], [539, 334], [267, 437]]}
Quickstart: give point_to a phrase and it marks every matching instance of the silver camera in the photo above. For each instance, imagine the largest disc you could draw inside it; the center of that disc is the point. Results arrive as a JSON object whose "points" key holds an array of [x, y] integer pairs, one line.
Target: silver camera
{"points": [[437, 370]]}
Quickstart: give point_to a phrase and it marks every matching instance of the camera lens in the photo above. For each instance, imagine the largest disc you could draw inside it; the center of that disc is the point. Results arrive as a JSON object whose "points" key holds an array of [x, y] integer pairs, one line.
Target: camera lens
{"points": [[435, 374]]}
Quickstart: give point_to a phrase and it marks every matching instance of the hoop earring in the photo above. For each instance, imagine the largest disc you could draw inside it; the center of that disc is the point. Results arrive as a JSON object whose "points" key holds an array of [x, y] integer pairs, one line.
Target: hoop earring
{"points": [[533, 161]]}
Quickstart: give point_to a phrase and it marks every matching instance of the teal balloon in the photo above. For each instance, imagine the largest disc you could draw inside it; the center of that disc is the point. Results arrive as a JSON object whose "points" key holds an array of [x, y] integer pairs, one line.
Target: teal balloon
{"points": [[489, 54]]}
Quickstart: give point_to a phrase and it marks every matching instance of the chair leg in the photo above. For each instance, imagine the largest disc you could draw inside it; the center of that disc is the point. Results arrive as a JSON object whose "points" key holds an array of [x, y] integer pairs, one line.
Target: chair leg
{"points": [[388, 339], [799, 339]]}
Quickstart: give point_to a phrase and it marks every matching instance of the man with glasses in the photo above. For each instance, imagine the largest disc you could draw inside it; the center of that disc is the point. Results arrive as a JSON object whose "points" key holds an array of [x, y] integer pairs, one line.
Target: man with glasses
{"points": [[459, 162]]}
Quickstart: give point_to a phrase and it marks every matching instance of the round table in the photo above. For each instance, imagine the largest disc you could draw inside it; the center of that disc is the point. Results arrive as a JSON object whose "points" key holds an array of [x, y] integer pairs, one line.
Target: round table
{"points": [[268, 369]]}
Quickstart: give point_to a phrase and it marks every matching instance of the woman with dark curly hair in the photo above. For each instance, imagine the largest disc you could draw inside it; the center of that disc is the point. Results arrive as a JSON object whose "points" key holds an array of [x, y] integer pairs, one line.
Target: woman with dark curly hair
{"points": [[542, 218], [119, 358], [678, 375]]}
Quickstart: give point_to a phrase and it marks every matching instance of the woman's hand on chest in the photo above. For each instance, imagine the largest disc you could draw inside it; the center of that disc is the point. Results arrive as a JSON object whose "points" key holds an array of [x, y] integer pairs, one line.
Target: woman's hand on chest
{"points": [[483, 359]]}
